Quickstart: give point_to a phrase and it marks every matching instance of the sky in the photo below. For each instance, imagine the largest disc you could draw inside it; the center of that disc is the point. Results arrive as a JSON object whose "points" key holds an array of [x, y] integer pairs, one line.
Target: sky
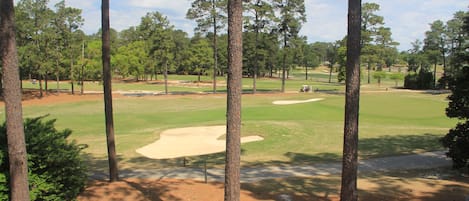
{"points": [[326, 19]]}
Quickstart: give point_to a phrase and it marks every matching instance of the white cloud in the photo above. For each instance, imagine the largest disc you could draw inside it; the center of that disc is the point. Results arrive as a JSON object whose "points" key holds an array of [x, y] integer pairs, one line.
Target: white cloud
{"points": [[161, 4], [326, 21]]}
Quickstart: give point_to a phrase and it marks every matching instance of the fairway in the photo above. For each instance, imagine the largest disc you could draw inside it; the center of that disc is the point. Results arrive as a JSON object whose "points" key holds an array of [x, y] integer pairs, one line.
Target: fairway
{"points": [[391, 123]]}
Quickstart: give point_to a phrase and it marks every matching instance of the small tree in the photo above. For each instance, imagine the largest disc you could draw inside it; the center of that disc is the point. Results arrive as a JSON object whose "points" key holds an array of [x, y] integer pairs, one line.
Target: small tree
{"points": [[396, 77], [379, 75], [56, 169]]}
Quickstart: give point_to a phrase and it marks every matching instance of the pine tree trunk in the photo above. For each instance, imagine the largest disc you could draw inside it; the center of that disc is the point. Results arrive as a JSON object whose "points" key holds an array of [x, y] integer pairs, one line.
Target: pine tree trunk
{"points": [[41, 92], [215, 49], [233, 121], [284, 60], [18, 164], [166, 77], [256, 45], [57, 76], [71, 76], [348, 190], [111, 147]]}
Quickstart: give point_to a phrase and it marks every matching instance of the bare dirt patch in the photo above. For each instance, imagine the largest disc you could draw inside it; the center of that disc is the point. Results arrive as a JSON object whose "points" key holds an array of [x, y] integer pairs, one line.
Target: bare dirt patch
{"points": [[156, 190], [326, 188], [32, 97]]}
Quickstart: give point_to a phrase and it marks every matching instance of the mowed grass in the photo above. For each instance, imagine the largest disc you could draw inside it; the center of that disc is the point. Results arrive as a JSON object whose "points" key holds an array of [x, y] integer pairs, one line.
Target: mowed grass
{"points": [[188, 84], [391, 123]]}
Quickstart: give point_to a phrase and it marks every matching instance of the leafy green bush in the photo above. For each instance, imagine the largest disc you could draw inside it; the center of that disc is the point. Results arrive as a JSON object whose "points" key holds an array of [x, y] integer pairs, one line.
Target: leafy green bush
{"points": [[457, 139], [56, 169], [422, 80], [457, 142]]}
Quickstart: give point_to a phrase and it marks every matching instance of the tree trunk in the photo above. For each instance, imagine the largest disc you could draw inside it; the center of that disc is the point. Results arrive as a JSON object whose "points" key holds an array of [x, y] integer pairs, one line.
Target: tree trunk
{"points": [[306, 68], [72, 75], [215, 49], [41, 92], [82, 79], [369, 73], [434, 76], [46, 83], [82, 71], [17, 157], [166, 77], [348, 191], [57, 76], [111, 147], [234, 93], [284, 60], [256, 66], [330, 72]]}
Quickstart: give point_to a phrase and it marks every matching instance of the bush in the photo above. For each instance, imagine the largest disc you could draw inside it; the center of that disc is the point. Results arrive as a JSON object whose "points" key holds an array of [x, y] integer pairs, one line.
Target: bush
{"points": [[457, 139], [457, 142], [56, 169], [422, 80]]}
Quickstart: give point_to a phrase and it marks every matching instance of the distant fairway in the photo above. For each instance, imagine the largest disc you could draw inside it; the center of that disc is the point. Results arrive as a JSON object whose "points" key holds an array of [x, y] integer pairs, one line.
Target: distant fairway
{"points": [[391, 123]]}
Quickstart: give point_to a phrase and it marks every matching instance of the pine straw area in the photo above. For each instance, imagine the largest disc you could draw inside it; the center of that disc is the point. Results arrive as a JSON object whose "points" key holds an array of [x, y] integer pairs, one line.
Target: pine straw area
{"points": [[421, 185]]}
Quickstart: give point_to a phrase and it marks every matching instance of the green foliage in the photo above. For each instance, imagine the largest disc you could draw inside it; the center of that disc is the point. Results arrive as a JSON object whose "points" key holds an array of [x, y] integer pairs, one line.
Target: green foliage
{"points": [[421, 80], [457, 139], [379, 75], [396, 77], [457, 142], [205, 11], [458, 106], [56, 169]]}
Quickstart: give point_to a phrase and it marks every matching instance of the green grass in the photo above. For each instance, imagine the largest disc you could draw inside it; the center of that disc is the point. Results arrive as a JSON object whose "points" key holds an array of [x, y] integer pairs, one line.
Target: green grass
{"points": [[391, 123]]}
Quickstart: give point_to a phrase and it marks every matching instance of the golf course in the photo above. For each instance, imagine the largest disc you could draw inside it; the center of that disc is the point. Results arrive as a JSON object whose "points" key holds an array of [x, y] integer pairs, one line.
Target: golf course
{"points": [[392, 121]]}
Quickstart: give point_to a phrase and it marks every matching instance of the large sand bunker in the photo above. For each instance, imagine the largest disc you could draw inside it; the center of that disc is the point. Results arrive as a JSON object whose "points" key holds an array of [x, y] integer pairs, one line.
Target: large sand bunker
{"points": [[289, 102], [191, 141]]}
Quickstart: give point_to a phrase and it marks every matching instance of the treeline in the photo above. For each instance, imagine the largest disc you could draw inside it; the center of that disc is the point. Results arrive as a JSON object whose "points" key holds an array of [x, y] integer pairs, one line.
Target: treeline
{"points": [[443, 45], [52, 45]]}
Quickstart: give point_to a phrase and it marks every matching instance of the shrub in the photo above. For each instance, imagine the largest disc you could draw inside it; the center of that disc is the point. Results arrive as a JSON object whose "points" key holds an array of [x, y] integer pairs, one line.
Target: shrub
{"points": [[56, 169], [457, 139], [422, 80], [457, 142]]}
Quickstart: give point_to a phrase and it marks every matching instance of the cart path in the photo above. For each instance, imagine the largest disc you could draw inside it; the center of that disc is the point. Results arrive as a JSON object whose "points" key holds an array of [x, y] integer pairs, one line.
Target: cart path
{"points": [[426, 160]]}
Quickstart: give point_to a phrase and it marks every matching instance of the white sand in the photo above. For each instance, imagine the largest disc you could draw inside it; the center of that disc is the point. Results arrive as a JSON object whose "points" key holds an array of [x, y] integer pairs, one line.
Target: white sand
{"points": [[289, 102], [191, 141]]}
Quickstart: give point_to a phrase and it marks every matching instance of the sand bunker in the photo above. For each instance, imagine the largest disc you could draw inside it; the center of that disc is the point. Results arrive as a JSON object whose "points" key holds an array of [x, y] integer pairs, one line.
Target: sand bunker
{"points": [[289, 102], [191, 141]]}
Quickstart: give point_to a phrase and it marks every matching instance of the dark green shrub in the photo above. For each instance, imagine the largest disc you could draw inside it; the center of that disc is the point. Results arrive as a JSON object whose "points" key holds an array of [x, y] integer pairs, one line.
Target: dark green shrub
{"points": [[422, 80], [56, 169], [457, 139], [457, 142]]}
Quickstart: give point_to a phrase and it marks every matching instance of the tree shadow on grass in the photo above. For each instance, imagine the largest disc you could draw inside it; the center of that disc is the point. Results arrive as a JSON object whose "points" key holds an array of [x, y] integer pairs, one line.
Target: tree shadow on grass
{"points": [[368, 148], [398, 145]]}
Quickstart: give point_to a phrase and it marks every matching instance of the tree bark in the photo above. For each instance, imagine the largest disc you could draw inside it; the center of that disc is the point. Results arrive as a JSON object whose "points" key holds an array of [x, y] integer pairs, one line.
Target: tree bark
{"points": [[284, 61], [18, 163], [166, 77], [234, 93], [256, 52], [215, 48], [111, 147], [348, 190]]}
